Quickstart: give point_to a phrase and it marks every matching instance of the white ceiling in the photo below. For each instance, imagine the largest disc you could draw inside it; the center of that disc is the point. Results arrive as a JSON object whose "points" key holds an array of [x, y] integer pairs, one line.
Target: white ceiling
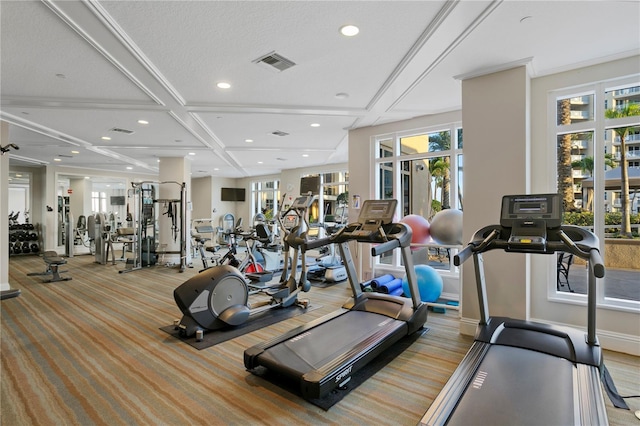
{"points": [[71, 71]]}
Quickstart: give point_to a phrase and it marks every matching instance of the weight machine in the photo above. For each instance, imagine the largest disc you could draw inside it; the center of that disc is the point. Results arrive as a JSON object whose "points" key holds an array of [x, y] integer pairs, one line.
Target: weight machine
{"points": [[146, 218]]}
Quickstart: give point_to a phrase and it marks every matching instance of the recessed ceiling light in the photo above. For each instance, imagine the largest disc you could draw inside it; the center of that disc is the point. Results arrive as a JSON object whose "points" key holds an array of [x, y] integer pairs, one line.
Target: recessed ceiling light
{"points": [[143, 122], [342, 95], [192, 153], [158, 160], [61, 76], [57, 159], [18, 175], [105, 138], [178, 141], [128, 168], [87, 177], [305, 155], [349, 30], [216, 169], [223, 85], [259, 162], [315, 124], [248, 140], [75, 152]]}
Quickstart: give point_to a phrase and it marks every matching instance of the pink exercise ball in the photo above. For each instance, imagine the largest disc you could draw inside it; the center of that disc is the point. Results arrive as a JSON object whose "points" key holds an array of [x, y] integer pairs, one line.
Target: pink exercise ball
{"points": [[419, 228]]}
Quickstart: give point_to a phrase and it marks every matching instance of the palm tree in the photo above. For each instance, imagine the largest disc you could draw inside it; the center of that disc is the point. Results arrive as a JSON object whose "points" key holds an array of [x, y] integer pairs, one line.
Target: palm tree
{"points": [[439, 169], [441, 141], [622, 132], [565, 173], [586, 165]]}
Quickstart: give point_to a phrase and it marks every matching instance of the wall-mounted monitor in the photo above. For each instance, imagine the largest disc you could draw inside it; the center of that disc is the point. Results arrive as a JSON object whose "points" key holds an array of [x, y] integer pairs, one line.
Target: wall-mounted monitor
{"points": [[232, 194], [310, 184], [118, 200]]}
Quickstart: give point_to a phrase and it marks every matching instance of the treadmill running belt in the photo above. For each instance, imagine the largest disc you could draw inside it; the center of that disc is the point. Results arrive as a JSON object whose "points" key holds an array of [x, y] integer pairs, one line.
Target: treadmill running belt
{"points": [[326, 342], [515, 386]]}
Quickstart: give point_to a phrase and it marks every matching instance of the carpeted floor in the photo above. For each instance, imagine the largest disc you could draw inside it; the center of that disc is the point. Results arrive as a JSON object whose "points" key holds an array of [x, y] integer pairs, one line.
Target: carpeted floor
{"points": [[90, 351]]}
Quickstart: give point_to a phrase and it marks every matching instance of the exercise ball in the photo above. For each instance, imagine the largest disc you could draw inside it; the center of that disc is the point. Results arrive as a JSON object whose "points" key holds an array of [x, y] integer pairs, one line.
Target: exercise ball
{"points": [[419, 228], [429, 283], [446, 227]]}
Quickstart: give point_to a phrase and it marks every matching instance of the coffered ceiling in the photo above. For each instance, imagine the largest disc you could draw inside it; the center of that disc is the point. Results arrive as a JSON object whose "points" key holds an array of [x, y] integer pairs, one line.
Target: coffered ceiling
{"points": [[74, 72]]}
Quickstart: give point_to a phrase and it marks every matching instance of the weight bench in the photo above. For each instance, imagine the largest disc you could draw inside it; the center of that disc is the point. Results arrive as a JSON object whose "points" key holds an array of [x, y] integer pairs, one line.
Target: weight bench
{"points": [[53, 261]]}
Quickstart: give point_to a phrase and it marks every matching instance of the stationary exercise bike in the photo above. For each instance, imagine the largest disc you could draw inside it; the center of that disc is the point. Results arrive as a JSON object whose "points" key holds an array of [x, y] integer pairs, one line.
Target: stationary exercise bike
{"points": [[218, 297]]}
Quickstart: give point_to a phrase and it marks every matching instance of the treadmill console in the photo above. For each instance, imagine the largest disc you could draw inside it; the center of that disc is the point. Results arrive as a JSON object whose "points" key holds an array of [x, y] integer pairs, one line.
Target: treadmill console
{"points": [[303, 202], [374, 215], [528, 217]]}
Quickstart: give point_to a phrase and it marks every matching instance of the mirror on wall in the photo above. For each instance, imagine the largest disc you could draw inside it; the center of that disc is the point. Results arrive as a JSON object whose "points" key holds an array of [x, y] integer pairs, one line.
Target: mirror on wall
{"points": [[19, 203]]}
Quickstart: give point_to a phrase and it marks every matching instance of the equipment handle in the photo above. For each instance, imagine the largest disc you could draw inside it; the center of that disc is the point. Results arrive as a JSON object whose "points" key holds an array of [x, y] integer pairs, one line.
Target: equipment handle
{"points": [[475, 247], [596, 262], [385, 247], [463, 255], [318, 242]]}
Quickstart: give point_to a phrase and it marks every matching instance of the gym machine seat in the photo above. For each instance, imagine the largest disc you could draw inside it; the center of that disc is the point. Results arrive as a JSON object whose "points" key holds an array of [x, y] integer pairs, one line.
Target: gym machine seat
{"points": [[53, 262]]}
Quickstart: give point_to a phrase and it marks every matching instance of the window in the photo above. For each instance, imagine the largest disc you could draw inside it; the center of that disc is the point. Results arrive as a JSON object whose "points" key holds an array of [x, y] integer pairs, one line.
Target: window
{"points": [[99, 202], [598, 145], [423, 171], [265, 198], [332, 205]]}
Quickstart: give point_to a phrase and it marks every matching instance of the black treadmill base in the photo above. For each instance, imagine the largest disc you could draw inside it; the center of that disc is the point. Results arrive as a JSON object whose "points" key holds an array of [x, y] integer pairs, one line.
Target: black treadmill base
{"points": [[293, 386]]}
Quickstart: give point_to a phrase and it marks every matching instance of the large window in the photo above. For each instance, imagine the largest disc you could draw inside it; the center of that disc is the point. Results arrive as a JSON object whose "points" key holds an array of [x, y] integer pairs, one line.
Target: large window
{"points": [[264, 198], [99, 202], [423, 171], [332, 205], [597, 132]]}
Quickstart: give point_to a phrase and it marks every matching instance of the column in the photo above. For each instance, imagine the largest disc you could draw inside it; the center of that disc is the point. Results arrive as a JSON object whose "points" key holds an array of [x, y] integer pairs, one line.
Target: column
{"points": [[495, 117]]}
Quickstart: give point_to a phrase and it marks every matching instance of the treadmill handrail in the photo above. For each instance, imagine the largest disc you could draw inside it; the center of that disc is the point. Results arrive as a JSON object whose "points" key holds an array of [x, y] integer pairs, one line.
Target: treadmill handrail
{"points": [[568, 238], [386, 247], [390, 236]]}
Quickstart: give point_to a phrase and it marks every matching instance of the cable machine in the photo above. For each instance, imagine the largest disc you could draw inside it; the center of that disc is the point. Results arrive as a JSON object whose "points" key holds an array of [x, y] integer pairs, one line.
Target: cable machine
{"points": [[146, 218]]}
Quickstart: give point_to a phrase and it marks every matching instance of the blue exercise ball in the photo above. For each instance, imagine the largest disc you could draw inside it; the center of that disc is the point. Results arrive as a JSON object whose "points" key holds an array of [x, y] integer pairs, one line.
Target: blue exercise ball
{"points": [[429, 283]]}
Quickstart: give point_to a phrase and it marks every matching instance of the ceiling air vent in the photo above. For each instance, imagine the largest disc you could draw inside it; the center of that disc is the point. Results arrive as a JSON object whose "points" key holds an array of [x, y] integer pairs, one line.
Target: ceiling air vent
{"points": [[119, 130], [279, 133], [275, 60]]}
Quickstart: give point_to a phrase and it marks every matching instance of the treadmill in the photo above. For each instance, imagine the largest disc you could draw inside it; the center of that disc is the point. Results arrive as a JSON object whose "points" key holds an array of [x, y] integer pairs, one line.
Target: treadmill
{"points": [[520, 372], [324, 354]]}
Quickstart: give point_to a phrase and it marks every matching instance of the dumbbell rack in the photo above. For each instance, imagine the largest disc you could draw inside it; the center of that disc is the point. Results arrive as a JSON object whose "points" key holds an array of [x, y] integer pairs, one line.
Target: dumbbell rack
{"points": [[24, 239]]}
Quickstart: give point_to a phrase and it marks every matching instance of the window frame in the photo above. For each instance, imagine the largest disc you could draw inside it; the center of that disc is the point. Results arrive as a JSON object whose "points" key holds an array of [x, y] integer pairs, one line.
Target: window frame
{"points": [[599, 125], [455, 153]]}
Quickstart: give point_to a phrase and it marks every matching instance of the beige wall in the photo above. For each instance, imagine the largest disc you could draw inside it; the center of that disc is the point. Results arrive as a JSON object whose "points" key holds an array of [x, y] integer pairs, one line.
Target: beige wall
{"points": [[495, 122]]}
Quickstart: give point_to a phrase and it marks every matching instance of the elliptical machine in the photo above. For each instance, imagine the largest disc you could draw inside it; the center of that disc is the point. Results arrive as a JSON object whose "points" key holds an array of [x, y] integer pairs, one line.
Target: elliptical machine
{"points": [[218, 297]]}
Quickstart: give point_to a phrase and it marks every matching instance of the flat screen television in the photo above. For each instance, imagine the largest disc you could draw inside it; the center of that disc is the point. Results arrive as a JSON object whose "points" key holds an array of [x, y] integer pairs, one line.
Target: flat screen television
{"points": [[232, 194], [117, 200], [310, 184]]}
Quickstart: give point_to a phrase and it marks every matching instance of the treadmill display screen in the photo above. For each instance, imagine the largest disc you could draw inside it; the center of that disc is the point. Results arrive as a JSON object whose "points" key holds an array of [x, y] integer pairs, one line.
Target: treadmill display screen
{"points": [[531, 207], [301, 202], [378, 210]]}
